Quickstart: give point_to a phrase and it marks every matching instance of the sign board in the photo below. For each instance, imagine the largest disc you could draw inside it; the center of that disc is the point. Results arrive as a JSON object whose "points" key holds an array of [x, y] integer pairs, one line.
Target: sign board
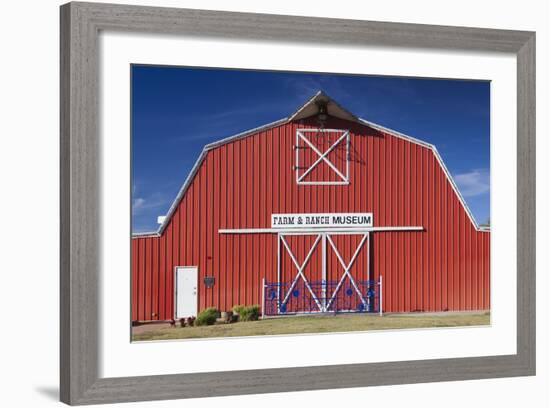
{"points": [[209, 281], [323, 220]]}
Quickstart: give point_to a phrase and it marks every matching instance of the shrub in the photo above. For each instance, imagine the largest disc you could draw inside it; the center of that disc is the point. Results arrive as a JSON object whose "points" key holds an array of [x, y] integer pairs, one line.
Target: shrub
{"points": [[190, 321], [207, 317], [249, 313], [237, 309]]}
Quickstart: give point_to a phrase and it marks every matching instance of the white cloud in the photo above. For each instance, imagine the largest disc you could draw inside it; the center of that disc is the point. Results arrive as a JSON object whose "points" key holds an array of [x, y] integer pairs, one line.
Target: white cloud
{"points": [[138, 203], [155, 201], [473, 183]]}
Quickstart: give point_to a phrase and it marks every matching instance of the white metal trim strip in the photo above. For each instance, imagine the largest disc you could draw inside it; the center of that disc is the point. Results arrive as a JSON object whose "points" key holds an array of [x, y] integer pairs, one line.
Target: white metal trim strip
{"points": [[314, 231]]}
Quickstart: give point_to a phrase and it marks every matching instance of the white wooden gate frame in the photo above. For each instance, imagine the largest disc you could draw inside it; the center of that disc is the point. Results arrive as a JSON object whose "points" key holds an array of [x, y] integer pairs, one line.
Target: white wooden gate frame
{"points": [[300, 272], [322, 236], [348, 267]]}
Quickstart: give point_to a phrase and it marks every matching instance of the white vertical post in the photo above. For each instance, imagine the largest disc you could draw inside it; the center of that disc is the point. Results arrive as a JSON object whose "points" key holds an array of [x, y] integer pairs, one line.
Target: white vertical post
{"points": [[368, 270], [297, 158], [324, 271], [263, 297], [279, 273], [380, 295], [347, 155]]}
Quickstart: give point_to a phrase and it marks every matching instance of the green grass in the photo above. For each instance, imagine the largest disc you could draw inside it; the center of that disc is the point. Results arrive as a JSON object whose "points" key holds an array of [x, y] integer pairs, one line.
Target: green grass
{"points": [[318, 324]]}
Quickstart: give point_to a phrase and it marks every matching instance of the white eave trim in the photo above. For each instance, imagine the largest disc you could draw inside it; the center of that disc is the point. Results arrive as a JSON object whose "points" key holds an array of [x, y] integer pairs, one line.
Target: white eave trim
{"points": [[440, 161], [151, 234], [245, 134], [196, 166]]}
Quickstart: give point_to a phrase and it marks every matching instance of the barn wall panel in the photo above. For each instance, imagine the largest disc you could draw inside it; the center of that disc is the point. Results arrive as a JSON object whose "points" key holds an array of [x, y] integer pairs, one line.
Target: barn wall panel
{"points": [[135, 278]]}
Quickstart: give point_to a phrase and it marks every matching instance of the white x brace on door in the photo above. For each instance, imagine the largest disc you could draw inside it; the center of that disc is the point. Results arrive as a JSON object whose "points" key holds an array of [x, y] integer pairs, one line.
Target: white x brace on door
{"points": [[300, 270], [325, 302], [302, 141], [347, 268]]}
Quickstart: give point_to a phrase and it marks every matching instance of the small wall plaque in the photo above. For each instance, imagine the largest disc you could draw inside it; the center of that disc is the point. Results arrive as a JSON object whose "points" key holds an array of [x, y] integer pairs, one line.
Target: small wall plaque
{"points": [[209, 281]]}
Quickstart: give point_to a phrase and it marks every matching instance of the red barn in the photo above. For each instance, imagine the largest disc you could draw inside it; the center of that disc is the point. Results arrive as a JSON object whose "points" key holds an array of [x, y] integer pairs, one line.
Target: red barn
{"points": [[318, 212]]}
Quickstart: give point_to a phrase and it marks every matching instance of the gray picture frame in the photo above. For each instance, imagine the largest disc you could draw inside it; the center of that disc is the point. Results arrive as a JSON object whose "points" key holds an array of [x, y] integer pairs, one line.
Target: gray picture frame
{"points": [[80, 233]]}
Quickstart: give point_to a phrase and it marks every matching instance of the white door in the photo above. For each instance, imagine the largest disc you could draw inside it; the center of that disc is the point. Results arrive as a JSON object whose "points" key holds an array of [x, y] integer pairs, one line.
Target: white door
{"points": [[186, 291]]}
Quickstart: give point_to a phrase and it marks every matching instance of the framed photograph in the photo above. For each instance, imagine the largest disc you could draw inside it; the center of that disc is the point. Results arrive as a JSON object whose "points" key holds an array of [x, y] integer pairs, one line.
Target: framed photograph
{"points": [[261, 203]]}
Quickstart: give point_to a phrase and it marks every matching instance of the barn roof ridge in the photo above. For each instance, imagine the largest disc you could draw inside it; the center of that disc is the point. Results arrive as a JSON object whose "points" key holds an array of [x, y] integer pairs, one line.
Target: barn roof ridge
{"points": [[303, 112], [310, 108]]}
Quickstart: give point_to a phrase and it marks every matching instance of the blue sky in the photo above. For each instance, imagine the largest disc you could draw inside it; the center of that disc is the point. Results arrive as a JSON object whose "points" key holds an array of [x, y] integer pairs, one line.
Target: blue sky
{"points": [[177, 110]]}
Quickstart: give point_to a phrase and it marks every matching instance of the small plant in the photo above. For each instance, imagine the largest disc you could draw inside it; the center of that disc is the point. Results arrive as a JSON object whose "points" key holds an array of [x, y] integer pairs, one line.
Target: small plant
{"points": [[172, 323], [182, 322], [237, 309], [207, 317], [249, 313], [190, 321]]}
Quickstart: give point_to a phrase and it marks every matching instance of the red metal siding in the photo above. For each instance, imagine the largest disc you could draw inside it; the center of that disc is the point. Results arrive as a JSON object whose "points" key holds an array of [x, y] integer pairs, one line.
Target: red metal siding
{"points": [[241, 183]]}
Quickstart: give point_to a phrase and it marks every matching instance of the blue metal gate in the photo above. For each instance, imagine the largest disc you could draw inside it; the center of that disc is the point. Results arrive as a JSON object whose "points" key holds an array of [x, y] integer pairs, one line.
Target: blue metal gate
{"points": [[322, 296]]}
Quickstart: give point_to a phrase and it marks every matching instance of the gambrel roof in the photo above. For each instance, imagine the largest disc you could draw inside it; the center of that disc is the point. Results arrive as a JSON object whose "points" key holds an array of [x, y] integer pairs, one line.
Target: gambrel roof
{"points": [[308, 109]]}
